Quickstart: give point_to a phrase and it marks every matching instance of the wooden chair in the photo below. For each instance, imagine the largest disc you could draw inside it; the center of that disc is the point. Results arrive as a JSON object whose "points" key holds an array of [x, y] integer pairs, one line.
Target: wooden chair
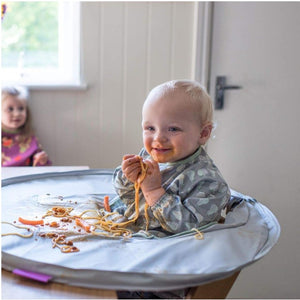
{"points": [[215, 290]]}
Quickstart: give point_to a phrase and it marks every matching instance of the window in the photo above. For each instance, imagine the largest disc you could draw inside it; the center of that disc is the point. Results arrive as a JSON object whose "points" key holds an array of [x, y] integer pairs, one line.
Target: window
{"points": [[40, 43]]}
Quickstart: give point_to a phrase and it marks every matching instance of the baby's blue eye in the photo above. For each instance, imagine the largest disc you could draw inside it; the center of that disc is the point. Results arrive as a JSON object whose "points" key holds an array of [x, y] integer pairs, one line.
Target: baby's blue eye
{"points": [[173, 129], [150, 128]]}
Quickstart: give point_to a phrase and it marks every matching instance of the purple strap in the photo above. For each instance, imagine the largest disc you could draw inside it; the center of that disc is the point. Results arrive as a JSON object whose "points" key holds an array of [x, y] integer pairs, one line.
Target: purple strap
{"points": [[32, 275]]}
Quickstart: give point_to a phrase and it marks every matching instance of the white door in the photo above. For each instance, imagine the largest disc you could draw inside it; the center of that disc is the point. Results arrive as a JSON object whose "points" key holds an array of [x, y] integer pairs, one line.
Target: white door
{"points": [[256, 45]]}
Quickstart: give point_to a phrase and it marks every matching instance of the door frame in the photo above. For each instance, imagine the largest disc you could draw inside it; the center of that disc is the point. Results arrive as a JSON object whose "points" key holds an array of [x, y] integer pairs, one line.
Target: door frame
{"points": [[203, 40]]}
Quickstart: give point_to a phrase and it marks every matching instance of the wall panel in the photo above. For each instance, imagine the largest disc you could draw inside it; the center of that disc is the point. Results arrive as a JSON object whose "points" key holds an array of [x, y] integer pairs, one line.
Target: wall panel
{"points": [[127, 49], [135, 75]]}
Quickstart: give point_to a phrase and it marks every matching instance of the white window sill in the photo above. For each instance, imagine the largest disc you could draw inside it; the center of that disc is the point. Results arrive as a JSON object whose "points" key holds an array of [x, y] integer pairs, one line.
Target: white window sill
{"points": [[50, 85], [58, 86]]}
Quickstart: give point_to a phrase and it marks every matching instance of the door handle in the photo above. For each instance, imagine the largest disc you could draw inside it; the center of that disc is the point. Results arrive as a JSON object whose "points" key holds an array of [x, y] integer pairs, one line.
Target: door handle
{"points": [[220, 89]]}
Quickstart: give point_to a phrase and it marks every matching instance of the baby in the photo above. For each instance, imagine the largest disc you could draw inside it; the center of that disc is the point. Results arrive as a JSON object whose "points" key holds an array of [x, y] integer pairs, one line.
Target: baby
{"points": [[183, 187]]}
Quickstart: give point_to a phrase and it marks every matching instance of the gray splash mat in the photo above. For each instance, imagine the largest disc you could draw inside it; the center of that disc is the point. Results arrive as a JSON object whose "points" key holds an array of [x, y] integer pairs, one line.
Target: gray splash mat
{"points": [[179, 261]]}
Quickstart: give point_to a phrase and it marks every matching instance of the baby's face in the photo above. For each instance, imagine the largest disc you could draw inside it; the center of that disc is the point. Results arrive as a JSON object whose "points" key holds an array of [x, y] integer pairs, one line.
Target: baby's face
{"points": [[171, 128], [13, 113]]}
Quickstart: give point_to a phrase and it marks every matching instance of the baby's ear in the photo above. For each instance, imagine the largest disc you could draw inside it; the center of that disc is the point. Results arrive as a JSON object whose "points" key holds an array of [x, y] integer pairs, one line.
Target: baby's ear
{"points": [[205, 133]]}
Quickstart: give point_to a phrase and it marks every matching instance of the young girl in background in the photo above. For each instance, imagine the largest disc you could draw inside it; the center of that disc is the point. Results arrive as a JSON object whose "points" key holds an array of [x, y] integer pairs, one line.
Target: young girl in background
{"points": [[19, 145]]}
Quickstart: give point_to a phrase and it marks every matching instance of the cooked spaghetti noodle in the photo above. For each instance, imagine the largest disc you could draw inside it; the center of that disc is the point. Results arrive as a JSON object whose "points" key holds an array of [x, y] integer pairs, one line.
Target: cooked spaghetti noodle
{"points": [[16, 233], [58, 211], [199, 235]]}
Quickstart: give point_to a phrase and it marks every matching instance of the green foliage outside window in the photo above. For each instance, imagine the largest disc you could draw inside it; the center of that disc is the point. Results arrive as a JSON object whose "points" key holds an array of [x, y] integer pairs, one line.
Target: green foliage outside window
{"points": [[30, 34]]}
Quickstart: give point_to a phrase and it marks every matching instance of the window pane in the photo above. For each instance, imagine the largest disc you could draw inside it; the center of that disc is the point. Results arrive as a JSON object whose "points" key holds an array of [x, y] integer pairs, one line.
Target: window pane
{"points": [[30, 35]]}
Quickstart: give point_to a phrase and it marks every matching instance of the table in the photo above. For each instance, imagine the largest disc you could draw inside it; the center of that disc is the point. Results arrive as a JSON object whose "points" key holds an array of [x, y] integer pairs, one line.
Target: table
{"points": [[16, 287], [7, 172]]}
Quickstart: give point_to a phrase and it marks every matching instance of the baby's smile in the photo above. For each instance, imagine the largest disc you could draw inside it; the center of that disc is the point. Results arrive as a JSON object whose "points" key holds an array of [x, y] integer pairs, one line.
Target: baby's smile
{"points": [[161, 150]]}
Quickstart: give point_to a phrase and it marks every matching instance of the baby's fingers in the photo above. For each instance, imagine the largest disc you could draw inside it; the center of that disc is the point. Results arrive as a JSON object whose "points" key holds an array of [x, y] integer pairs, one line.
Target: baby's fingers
{"points": [[132, 173], [130, 160], [127, 156], [152, 166]]}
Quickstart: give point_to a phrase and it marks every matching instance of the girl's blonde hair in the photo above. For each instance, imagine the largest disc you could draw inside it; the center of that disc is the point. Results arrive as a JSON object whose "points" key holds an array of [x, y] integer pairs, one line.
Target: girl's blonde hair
{"points": [[195, 92], [21, 93]]}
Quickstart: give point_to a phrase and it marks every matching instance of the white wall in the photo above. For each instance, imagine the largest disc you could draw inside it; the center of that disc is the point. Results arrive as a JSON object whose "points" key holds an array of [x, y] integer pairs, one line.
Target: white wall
{"points": [[128, 48]]}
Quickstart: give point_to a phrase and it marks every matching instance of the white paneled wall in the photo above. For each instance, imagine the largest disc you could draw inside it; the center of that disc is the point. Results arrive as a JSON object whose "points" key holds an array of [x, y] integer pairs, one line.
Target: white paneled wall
{"points": [[127, 49]]}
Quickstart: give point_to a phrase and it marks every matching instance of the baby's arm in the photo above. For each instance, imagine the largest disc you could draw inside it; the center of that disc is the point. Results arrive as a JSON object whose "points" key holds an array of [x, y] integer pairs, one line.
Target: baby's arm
{"points": [[184, 210], [192, 200]]}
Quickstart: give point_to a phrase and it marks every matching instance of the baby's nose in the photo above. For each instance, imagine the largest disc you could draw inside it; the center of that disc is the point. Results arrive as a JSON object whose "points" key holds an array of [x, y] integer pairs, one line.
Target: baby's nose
{"points": [[160, 136]]}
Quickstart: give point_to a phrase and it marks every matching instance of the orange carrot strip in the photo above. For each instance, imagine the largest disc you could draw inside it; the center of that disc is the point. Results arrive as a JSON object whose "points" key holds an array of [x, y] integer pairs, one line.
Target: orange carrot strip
{"points": [[84, 225], [106, 204], [31, 222]]}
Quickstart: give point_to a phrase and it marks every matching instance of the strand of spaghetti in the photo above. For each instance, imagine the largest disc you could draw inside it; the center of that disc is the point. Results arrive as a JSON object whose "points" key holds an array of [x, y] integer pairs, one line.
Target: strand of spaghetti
{"points": [[199, 235], [140, 179], [60, 243], [102, 221], [68, 249], [112, 228], [115, 232], [146, 215], [92, 210], [58, 211], [16, 233], [17, 226]]}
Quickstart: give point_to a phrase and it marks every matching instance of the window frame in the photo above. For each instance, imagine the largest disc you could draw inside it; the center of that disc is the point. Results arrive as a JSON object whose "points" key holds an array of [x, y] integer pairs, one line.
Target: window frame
{"points": [[68, 74]]}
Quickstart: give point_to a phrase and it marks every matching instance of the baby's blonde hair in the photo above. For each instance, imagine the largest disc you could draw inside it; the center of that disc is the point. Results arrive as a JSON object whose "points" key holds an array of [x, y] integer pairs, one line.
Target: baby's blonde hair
{"points": [[20, 93], [195, 92]]}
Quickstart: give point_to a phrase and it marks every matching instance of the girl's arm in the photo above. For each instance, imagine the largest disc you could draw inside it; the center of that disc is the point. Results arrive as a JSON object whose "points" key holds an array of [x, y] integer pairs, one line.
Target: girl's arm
{"points": [[41, 159]]}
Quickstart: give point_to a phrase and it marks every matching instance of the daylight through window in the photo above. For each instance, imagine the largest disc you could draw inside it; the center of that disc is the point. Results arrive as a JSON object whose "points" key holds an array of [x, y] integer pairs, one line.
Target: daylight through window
{"points": [[40, 43]]}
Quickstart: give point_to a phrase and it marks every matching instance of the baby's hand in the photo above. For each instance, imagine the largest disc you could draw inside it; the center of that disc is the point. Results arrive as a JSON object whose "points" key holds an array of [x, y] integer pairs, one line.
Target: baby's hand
{"points": [[151, 185], [152, 180], [131, 167], [40, 158]]}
